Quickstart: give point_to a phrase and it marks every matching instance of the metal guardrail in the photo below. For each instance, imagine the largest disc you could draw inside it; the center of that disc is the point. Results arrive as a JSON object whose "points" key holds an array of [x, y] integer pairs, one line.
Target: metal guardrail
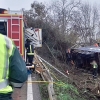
{"points": [[52, 66], [46, 77]]}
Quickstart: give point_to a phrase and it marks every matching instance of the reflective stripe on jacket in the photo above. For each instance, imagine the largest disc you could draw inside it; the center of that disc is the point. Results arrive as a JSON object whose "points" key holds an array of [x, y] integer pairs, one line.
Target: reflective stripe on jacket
{"points": [[6, 48], [30, 53], [95, 66]]}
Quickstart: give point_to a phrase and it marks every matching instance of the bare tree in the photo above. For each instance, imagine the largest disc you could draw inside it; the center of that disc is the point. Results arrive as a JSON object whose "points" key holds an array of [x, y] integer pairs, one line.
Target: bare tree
{"points": [[85, 22], [62, 10]]}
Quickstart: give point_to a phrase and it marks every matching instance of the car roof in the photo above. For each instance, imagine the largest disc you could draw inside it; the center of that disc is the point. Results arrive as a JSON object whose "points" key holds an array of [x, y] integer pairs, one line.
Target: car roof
{"points": [[88, 49]]}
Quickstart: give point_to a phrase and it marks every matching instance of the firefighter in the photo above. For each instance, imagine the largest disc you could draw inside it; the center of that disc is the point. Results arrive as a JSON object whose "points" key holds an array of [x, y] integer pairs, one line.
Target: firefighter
{"points": [[30, 51], [95, 68], [30, 55], [13, 72], [69, 59]]}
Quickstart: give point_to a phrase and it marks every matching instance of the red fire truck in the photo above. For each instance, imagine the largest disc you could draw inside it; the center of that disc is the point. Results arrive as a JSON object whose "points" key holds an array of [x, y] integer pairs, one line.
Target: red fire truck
{"points": [[11, 24]]}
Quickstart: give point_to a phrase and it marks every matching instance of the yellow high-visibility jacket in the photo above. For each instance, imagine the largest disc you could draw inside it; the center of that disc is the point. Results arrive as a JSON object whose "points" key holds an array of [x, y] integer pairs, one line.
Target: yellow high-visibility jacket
{"points": [[11, 73]]}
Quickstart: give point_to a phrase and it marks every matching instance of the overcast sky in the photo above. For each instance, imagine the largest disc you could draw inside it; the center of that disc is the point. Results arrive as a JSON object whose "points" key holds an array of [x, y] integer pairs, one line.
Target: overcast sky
{"points": [[19, 4]]}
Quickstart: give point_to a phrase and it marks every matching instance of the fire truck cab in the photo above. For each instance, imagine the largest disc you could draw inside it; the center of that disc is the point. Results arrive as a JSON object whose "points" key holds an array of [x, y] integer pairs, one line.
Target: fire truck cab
{"points": [[11, 24]]}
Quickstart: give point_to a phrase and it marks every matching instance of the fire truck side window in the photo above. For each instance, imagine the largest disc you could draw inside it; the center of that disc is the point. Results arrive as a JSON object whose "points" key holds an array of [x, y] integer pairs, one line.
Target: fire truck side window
{"points": [[3, 28]]}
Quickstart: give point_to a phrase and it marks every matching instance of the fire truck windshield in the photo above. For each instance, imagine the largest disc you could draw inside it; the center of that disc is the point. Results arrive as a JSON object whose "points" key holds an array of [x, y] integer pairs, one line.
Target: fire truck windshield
{"points": [[3, 28]]}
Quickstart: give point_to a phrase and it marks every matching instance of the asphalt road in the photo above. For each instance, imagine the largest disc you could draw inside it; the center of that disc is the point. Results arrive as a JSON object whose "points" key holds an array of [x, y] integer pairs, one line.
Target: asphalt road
{"points": [[21, 94]]}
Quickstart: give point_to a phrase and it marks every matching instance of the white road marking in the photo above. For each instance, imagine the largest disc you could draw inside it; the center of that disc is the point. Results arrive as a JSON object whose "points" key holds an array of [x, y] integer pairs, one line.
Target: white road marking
{"points": [[29, 89]]}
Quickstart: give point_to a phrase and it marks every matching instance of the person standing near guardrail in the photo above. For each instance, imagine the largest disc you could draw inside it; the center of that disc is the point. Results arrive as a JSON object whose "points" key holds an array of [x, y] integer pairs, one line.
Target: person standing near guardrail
{"points": [[29, 55], [29, 51]]}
